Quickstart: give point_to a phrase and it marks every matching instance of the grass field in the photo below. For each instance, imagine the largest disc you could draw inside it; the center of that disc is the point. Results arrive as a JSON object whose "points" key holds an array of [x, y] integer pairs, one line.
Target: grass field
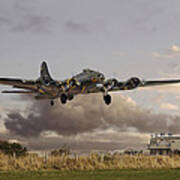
{"points": [[87, 162], [90, 167], [161, 174]]}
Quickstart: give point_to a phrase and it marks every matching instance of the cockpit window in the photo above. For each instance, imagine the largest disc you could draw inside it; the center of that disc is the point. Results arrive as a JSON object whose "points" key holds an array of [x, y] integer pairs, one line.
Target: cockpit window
{"points": [[100, 76], [88, 70]]}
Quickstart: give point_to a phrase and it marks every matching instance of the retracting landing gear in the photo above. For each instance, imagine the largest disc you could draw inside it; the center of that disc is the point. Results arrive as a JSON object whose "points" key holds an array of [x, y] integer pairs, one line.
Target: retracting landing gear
{"points": [[107, 99], [63, 99], [70, 97], [52, 102]]}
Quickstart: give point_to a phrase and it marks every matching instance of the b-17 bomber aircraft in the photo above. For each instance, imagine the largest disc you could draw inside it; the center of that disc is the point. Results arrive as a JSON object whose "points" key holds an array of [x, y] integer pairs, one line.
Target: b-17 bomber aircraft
{"points": [[86, 82]]}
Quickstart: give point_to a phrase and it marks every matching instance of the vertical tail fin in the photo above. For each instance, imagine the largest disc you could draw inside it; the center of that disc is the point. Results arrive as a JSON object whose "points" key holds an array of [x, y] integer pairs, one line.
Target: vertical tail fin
{"points": [[45, 77]]}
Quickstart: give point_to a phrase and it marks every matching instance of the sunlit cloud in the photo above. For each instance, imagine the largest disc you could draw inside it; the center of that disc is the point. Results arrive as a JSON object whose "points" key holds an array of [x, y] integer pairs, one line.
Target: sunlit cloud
{"points": [[175, 49], [89, 123], [174, 88], [121, 54], [168, 106], [172, 52]]}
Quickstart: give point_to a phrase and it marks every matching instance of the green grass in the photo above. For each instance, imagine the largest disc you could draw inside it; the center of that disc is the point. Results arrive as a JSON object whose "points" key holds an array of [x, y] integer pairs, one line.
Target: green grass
{"points": [[162, 174]]}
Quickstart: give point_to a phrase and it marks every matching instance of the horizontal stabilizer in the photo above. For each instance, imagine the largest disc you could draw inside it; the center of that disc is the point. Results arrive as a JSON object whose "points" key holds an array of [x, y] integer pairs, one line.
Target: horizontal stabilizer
{"points": [[17, 92]]}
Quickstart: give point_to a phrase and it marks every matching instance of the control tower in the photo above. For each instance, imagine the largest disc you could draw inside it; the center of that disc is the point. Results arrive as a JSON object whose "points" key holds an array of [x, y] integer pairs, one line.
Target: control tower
{"points": [[164, 144]]}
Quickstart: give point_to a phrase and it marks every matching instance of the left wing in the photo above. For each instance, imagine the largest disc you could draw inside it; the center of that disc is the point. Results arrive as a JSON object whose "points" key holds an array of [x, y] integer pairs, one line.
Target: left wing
{"points": [[134, 82], [159, 82], [115, 85]]}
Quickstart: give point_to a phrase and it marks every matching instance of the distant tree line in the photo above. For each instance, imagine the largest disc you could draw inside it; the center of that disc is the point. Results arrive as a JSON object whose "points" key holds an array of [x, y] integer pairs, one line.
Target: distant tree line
{"points": [[64, 150], [13, 149]]}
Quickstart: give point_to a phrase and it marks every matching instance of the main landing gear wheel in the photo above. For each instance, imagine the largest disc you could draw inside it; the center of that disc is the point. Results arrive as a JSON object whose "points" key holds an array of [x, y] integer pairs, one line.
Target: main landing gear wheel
{"points": [[70, 97], [63, 99], [52, 103], [107, 99]]}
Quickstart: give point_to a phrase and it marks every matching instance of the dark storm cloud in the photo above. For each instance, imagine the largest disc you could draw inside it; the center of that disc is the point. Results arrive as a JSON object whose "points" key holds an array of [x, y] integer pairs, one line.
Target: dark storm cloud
{"points": [[85, 114], [4, 21], [22, 16], [84, 145], [67, 120], [76, 27], [29, 23], [33, 23]]}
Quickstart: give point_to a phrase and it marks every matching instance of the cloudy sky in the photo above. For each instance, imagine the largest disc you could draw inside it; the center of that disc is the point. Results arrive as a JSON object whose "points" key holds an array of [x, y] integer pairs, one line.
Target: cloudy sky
{"points": [[120, 38]]}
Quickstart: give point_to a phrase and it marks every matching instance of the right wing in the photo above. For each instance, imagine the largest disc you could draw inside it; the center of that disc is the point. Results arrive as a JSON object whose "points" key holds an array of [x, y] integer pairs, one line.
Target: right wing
{"points": [[19, 83], [17, 92]]}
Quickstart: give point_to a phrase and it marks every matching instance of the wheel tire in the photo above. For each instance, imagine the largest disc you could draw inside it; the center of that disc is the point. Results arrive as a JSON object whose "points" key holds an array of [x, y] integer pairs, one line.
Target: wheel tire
{"points": [[63, 99], [70, 97], [52, 103], [107, 99]]}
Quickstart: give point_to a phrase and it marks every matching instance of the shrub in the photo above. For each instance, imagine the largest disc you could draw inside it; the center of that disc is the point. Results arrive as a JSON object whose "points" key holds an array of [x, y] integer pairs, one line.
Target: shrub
{"points": [[12, 149]]}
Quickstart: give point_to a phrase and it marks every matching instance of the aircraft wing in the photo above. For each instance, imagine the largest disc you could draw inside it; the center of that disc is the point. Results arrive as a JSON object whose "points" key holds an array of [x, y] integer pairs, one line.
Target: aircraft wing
{"points": [[19, 83], [159, 82], [17, 92], [132, 83]]}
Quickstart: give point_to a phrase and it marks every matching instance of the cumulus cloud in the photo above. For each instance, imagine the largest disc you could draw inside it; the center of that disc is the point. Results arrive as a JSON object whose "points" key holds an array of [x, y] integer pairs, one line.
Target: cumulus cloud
{"points": [[33, 23], [172, 52], [87, 123], [173, 88], [21, 16], [175, 49], [76, 27], [80, 116], [121, 54], [4, 21], [102, 140], [168, 106], [28, 23]]}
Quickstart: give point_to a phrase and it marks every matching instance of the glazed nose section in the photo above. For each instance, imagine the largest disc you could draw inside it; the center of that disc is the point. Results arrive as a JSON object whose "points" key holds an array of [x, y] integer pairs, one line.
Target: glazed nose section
{"points": [[101, 77]]}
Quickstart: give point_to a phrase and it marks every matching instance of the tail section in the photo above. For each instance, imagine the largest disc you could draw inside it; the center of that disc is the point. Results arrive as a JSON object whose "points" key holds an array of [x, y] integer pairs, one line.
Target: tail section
{"points": [[45, 77]]}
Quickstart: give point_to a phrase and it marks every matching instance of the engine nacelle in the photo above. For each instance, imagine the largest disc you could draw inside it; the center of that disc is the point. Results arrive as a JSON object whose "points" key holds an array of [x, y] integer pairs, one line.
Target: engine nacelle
{"points": [[68, 84], [73, 82], [132, 83], [111, 83], [63, 98]]}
